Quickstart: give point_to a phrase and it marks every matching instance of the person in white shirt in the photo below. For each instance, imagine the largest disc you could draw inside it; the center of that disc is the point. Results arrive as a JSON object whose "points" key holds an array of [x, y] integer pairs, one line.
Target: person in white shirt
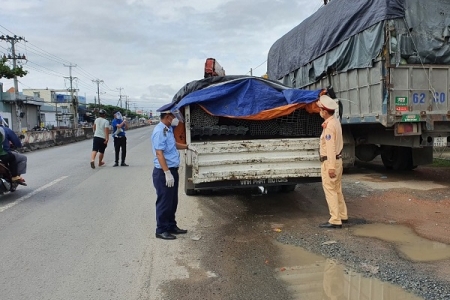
{"points": [[101, 138]]}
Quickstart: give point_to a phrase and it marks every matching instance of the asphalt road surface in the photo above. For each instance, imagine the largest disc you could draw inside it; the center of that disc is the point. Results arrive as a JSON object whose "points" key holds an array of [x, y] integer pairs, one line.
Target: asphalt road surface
{"points": [[78, 233]]}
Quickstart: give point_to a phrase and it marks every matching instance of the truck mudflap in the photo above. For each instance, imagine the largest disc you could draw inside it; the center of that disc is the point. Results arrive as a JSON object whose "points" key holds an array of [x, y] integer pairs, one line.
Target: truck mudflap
{"points": [[254, 162]]}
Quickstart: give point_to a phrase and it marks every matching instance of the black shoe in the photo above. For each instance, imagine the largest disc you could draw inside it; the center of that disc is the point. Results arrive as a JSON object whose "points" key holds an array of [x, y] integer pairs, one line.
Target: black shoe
{"points": [[165, 236], [329, 225], [123, 165], [177, 230], [116, 165], [344, 221]]}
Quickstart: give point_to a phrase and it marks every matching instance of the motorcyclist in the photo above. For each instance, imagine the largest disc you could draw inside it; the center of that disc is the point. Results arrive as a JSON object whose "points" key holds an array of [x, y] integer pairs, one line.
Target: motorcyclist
{"points": [[9, 160], [11, 140]]}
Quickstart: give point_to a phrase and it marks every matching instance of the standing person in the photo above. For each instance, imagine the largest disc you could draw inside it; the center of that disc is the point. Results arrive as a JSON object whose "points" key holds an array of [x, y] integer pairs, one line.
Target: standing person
{"points": [[101, 138], [12, 139], [331, 145], [119, 125], [165, 173]]}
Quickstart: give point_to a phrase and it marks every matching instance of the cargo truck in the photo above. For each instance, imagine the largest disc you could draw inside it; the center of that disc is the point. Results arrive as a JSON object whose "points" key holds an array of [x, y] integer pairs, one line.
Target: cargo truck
{"points": [[249, 132], [388, 62]]}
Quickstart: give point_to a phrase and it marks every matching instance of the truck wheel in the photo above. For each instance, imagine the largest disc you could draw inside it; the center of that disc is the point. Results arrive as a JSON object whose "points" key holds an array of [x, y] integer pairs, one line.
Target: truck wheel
{"points": [[190, 192], [387, 156], [288, 188], [397, 158], [188, 185]]}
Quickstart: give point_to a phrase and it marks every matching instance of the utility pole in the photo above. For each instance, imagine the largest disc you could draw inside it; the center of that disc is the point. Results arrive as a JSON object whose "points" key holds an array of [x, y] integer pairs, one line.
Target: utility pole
{"points": [[251, 72], [98, 81], [13, 40], [74, 103], [120, 95]]}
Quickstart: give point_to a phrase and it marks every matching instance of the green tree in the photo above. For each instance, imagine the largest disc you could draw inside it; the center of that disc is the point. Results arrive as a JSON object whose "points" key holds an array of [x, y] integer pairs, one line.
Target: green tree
{"points": [[8, 72]]}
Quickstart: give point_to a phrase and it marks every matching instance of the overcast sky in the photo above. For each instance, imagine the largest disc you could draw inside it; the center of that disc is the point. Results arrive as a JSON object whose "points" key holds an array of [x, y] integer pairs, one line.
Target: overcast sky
{"points": [[149, 48]]}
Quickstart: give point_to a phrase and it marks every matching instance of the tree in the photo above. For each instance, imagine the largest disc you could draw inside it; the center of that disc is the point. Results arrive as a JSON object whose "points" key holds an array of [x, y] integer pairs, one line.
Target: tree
{"points": [[9, 73]]}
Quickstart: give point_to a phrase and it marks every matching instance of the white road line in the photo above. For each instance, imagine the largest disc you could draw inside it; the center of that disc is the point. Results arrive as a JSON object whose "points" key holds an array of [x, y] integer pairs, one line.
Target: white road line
{"points": [[3, 208]]}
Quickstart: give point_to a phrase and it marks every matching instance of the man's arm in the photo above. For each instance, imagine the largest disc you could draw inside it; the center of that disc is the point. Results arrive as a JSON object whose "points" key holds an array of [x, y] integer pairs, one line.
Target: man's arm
{"points": [[14, 139], [181, 146], [162, 160], [107, 133]]}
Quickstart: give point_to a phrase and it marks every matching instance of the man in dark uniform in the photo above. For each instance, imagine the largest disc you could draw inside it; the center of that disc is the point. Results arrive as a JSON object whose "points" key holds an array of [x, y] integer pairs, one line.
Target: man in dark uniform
{"points": [[119, 126], [165, 173]]}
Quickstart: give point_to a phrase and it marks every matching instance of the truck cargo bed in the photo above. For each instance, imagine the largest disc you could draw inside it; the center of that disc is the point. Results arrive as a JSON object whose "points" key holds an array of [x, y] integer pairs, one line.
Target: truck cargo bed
{"points": [[270, 161]]}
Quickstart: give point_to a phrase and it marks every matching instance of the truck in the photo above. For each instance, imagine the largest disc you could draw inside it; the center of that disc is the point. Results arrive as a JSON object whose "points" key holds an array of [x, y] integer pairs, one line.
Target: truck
{"points": [[249, 132], [388, 62]]}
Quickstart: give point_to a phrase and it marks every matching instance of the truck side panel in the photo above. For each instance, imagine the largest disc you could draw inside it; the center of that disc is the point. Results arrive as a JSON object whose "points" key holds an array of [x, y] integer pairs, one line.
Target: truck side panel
{"points": [[413, 90]]}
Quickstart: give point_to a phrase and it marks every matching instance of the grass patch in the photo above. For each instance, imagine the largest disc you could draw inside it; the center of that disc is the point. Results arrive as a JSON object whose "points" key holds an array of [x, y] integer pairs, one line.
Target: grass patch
{"points": [[440, 162]]}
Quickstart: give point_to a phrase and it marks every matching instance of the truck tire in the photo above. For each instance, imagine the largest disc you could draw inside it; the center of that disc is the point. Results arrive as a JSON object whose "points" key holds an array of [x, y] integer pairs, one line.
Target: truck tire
{"points": [[188, 186], [397, 158], [288, 188]]}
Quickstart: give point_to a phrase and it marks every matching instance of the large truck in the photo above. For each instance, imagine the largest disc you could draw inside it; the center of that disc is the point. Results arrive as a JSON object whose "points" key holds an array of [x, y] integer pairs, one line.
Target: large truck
{"points": [[388, 62], [249, 132]]}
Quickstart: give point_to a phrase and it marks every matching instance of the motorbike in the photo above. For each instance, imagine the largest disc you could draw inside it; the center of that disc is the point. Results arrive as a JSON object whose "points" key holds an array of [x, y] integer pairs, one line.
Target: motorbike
{"points": [[6, 182]]}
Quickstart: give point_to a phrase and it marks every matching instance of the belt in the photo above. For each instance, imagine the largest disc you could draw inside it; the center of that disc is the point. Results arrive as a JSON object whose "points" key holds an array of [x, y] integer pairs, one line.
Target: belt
{"points": [[119, 137], [324, 158]]}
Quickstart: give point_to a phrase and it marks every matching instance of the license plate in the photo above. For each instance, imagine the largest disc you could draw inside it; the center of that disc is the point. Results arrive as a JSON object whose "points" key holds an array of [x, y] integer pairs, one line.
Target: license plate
{"points": [[440, 142]]}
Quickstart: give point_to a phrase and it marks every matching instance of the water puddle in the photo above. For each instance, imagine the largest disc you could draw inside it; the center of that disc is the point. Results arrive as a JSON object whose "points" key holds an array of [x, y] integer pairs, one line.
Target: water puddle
{"points": [[314, 277], [407, 241]]}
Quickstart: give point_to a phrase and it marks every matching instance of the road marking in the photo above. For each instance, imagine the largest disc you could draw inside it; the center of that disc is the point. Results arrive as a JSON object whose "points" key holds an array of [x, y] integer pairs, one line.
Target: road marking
{"points": [[23, 198]]}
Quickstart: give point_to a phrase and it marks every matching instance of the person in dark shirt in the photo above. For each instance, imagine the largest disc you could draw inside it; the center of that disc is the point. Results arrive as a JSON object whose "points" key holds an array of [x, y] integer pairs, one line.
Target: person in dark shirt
{"points": [[119, 125], [11, 139]]}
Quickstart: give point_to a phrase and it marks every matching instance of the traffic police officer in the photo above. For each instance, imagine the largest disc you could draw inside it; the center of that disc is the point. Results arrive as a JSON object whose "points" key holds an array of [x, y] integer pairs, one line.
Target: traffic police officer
{"points": [[165, 173], [331, 144]]}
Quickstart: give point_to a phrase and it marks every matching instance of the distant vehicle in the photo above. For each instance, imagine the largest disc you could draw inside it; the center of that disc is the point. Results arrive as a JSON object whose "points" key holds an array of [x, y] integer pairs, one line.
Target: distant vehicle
{"points": [[213, 68]]}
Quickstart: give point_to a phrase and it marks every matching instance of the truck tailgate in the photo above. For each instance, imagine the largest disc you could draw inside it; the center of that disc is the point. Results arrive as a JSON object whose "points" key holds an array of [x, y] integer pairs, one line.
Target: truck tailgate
{"points": [[255, 159]]}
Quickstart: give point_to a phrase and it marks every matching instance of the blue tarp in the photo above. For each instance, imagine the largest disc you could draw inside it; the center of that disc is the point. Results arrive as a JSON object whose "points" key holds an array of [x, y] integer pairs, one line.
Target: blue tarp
{"points": [[246, 97]]}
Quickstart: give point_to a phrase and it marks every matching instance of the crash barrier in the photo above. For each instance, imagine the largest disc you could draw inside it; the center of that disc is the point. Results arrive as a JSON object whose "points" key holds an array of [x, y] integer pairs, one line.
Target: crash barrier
{"points": [[33, 140]]}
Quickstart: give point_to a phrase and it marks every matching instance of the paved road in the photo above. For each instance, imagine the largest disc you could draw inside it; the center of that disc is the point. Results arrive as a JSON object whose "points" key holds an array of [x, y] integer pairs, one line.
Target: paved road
{"points": [[78, 233]]}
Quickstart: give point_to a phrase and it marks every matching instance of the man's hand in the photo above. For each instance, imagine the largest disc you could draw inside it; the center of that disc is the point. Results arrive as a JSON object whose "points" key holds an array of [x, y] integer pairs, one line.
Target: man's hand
{"points": [[106, 141], [332, 173], [170, 181], [192, 148]]}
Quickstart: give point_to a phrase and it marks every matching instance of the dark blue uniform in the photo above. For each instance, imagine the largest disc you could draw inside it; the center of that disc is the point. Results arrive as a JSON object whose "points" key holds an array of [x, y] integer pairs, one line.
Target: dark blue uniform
{"points": [[167, 197]]}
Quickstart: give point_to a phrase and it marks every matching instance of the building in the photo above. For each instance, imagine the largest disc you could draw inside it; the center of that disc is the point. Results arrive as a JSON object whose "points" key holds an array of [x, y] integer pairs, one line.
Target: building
{"points": [[59, 111], [21, 114]]}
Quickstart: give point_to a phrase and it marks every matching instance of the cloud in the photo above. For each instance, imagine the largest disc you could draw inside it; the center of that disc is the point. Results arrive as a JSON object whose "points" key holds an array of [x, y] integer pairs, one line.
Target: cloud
{"points": [[149, 48]]}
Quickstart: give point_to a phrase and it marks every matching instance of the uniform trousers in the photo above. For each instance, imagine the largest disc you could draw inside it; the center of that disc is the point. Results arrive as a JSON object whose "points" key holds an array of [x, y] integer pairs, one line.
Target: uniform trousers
{"points": [[120, 142], [166, 200], [21, 161], [333, 193]]}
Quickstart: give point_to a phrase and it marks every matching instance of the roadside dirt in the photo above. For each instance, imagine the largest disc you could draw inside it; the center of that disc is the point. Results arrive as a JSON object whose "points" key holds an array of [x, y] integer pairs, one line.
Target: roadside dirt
{"points": [[421, 199], [240, 257]]}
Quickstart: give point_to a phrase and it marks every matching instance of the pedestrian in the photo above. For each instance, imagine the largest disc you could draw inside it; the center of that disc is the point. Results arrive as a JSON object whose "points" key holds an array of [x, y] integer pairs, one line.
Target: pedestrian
{"points": [[11, 139], [165, 173], [101, 138], [119, 125], [331, 145]]}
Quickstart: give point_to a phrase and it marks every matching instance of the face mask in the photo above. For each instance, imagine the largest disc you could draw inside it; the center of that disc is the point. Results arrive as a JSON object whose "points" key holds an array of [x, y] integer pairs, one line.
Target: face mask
{"points": [[175, 122]]}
